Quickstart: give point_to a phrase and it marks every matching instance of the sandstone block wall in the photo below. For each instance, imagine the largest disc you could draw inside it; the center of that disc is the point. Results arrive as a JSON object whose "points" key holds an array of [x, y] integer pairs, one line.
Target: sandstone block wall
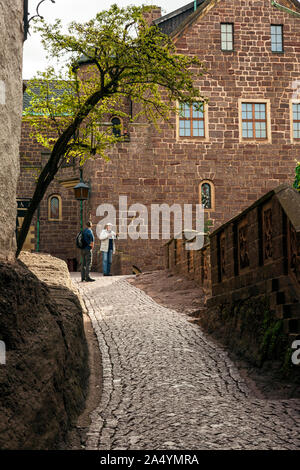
{"points": [[194, 264], [43, 385], [257, 253], [157, 167]]}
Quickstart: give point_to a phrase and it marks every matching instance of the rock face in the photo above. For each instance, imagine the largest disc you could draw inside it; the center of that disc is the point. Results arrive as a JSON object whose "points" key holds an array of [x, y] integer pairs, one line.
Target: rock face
{"points": [[43, 384], [11, 49]]}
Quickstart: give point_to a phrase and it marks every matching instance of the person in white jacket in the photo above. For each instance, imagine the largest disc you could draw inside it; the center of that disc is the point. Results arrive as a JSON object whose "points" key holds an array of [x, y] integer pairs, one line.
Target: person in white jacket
{"points": [[107, 247]]}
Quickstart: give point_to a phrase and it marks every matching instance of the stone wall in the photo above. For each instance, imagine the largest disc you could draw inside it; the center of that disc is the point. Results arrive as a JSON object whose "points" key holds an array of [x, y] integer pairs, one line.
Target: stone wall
{"points": [[43, 385], [250, 273], [255, 258], [194, 264], [258, 253], [11, 47], [154, 166]]}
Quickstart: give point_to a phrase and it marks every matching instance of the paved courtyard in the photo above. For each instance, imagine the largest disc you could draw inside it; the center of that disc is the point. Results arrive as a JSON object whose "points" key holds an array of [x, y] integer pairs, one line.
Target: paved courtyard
{"points": [[166, 385]]}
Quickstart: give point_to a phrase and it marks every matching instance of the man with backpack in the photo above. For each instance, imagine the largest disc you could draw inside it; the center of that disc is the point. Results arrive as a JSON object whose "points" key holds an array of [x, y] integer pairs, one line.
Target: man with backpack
{"points": [[87, 253]]}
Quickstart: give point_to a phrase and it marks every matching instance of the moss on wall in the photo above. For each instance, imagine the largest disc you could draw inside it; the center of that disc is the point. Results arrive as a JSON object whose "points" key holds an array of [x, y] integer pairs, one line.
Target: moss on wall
{"points": [[251, 329]]}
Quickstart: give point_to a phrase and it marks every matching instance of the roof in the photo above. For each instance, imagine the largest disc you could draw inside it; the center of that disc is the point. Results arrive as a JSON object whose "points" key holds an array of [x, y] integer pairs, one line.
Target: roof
{"points": [[54, 92], [173, 22], [296, 3], [170, 22], [83, 60], [176, 20]]}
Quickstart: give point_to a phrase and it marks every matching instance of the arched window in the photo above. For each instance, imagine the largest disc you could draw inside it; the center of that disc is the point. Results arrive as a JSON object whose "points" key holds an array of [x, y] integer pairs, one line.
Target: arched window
{"points": [[207, 195], [54, 207], [116, 126]]}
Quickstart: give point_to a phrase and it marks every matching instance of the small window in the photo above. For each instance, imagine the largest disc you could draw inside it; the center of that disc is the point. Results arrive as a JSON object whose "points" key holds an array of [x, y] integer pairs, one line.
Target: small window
{"points": [[191, 121], [207, 195], [254, 121], [116, 126], [276, 38], [227, 36], [296, 121], [54, 208]]}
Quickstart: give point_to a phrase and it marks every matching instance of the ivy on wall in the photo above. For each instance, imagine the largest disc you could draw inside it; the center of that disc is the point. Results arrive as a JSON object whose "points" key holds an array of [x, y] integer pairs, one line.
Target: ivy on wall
{"points": [[297, 177]]}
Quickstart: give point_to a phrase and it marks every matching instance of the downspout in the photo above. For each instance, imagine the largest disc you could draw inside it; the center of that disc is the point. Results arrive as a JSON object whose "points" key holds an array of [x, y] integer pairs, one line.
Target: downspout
{"points": [[195, 5], [285, 9]]}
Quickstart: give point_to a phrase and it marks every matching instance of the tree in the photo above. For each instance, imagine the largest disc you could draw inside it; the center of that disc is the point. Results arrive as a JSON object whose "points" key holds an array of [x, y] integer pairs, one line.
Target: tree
{"points": [[127, 59]]}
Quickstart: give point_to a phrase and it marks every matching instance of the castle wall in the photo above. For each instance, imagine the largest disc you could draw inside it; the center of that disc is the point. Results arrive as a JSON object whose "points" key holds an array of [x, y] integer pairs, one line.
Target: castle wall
{"points": [[158, 167]]}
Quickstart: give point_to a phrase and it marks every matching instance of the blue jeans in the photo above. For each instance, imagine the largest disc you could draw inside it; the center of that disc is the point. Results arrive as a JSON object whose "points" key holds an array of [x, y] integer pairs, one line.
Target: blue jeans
{"points": [[106, 261]]}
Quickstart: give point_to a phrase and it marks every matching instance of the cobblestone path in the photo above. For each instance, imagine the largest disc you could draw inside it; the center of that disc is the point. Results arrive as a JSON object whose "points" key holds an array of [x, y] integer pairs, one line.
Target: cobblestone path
{"points": [[167, 386]]}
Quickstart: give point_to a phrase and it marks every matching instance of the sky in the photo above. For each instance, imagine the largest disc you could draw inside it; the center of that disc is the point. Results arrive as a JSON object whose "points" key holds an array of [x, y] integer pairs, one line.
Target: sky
{"points": [[78, 10]]}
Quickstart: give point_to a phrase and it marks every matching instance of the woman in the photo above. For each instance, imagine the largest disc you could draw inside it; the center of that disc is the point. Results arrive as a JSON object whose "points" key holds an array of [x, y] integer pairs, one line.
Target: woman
{"points": [[107, 247]]}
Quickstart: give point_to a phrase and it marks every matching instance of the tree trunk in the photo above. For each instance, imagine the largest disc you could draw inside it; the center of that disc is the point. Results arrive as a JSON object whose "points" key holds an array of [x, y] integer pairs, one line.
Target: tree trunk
{"points": [[52, 166], [44, 180], [46, 177]]}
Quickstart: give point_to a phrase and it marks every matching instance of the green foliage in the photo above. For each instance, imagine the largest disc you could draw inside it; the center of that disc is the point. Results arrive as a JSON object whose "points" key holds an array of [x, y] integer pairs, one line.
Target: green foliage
{"points": [[254, 330], [126, 58], [287, 365], [297, 177], [208, 224], [272, 336]]}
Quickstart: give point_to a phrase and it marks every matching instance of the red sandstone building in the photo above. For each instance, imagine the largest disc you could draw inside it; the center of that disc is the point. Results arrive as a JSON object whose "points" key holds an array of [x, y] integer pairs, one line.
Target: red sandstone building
{"points": [[246, 141]]}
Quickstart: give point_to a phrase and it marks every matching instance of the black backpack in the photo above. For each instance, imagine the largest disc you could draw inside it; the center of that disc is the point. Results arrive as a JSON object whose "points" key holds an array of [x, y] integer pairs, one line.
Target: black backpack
{"points": [[80, 242]]}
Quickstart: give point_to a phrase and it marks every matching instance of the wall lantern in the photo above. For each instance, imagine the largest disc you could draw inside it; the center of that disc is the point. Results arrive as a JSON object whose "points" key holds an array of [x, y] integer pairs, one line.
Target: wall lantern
{"points": [[26, 15], [81, 191]]}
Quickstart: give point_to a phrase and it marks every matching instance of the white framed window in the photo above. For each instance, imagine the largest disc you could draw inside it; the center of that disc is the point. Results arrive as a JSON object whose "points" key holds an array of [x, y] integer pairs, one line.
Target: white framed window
{"points": [[276, 38], [295, 121], [254, 121], [192, 122], [227, 36]]}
